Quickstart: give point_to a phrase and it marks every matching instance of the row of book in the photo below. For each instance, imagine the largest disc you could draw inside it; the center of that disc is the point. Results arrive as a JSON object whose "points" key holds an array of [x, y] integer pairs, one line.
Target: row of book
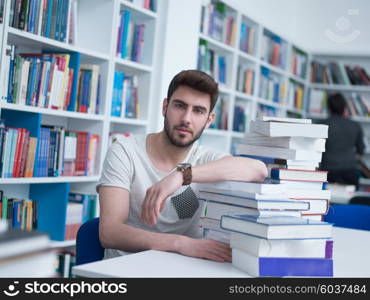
{"points": [[272, 86], [51, 80], [81, 207], [275, 227], [245, 79], [218, 23], [295, 95], [55, 19], [265, 110], [222, 115], [247, 38], [358, 104], [211, 62], [274, 50], [55, 152], [125, 98], [240, 118], [298, 64], [19, 213], [130, 39], [338, 73], [147, 4]]}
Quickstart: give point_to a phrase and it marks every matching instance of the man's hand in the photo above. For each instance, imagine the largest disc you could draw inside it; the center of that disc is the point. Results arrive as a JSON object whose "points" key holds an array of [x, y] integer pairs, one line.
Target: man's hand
{"points": [[208, 249], [155, 198]]}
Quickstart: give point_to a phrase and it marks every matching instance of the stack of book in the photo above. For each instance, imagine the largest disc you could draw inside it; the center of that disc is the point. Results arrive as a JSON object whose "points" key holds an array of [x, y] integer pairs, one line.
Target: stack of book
{"points": [[292, 150], [249, 198]]}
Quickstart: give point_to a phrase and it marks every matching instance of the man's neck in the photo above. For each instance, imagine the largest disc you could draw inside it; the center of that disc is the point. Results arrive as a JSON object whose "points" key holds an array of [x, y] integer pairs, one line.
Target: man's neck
{"points": [[163, 154]]}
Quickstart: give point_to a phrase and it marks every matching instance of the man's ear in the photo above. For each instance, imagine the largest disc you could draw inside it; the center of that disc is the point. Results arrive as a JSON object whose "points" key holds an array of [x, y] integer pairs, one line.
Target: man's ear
{"points": [[211, 117], [164, 107]]}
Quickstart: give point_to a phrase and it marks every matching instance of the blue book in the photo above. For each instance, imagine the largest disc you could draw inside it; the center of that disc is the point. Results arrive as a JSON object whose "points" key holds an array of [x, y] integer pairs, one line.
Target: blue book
{"points": [[277, 227], [126, 21], [282, 266], [48, 20]]}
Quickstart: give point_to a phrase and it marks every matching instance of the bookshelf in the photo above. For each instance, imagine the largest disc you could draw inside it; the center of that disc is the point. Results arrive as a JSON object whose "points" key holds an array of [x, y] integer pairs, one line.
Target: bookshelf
{"points": [[265, 72], [93, 43]]}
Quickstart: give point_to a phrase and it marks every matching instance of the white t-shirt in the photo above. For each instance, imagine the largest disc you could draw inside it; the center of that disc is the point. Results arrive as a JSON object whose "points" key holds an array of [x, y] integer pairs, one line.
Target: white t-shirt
{"points": [[128, 166]]}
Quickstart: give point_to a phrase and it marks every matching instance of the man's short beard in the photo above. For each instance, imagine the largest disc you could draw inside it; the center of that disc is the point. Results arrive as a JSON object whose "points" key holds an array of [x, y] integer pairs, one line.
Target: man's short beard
{"points": [[176, 143]]}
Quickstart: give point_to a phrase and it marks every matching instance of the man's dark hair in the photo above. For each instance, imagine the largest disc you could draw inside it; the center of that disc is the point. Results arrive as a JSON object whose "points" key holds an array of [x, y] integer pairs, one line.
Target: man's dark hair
{"points": [[337, 104], [196, 80]]}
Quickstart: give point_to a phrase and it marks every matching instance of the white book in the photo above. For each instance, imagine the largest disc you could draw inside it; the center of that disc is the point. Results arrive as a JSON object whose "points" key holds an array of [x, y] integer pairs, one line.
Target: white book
{"points": [[308, 194], [321, 248], [286, 120], [316, 206], [281, 153], [213, 224], [281, 173], [215, 210], [277, 227], [210, 234], [303, 185], [257, 196], [95, 69], [289, 129], [241, 186], [298, 143]]}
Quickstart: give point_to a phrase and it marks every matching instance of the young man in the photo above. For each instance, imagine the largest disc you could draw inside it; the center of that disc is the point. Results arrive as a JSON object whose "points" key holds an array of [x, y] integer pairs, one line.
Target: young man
{"points": [[146, 199], [345, 140]]}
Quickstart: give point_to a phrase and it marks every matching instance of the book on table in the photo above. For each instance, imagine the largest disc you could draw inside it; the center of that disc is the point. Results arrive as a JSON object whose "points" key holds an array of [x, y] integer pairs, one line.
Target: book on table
{"points": [[241, 201], [266, 187], [277, 227], [282, 266], [285, 120], [278, 173], [289, 129], [298, 143], [215, 210], [281, 153], [319, 248]]}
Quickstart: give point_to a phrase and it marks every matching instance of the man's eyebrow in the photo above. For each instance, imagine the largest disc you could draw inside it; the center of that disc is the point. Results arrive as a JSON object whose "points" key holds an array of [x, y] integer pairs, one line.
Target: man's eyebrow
{"points": [[203, 108]]}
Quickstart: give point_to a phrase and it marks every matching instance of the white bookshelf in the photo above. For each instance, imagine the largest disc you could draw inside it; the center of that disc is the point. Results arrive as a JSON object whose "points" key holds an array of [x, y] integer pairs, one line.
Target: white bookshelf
{"points": [[97, 28], [253, 59]]}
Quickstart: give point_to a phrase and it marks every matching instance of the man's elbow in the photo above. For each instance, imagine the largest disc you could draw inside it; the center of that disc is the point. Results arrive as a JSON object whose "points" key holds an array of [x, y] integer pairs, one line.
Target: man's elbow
{"points": [[260, 171], [105, 237]]}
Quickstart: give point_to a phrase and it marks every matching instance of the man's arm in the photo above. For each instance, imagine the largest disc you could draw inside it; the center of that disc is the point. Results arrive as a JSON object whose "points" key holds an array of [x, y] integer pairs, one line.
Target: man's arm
{"points": [[227, 168], [114, 233]]}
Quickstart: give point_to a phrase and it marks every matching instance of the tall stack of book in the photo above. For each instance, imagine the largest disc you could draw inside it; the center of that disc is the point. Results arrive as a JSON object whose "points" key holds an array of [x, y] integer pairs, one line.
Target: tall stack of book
{"points": [[288, 245]]}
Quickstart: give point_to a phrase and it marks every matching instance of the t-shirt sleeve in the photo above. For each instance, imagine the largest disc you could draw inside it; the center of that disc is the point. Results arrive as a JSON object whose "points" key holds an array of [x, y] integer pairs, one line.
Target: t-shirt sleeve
{"points": [[117, 167], [207, 155]]}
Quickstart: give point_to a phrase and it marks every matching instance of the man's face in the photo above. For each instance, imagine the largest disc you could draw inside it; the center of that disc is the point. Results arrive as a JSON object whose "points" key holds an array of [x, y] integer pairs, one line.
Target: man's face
{"points": [[186, 115]]}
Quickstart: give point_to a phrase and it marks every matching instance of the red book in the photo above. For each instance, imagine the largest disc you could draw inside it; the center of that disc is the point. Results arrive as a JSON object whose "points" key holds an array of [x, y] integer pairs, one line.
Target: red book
{"points": [[18, 152], [82, 152], [24, 154]]}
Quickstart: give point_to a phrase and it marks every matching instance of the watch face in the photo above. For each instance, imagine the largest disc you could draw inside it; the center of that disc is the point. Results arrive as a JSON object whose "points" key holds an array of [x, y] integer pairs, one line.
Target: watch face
{"points": [[184, 165]]}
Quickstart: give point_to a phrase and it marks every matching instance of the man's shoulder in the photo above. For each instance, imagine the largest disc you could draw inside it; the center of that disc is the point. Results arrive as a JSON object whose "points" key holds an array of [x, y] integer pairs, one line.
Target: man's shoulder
{"points": [[128, 143]]}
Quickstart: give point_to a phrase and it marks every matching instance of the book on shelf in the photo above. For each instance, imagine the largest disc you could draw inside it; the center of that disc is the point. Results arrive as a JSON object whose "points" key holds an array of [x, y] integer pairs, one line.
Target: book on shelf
{"points": [[222, 111], [89, 202], [274, 50], [286, 227], [266, 187], [130, 39], [274, 129], [282, 266], [240, 119], [147, 4], [256, 246], [295, 95], [125, 98], [282, 153], [297, 143], [245, 79], [247, 38], [265, 207], [211, 62], [218, 22], [338, 72], [318, 102], [298, 63], [272, 86], [73, 220]]}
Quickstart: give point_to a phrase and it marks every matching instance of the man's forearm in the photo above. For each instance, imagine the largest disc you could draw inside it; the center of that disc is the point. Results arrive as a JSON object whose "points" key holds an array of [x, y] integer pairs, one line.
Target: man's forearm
{"points": [[128, 238], [230, 168]]}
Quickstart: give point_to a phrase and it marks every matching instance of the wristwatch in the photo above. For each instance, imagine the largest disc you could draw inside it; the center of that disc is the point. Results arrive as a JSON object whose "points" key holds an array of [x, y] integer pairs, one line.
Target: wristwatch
{"points": [[185, 169]]}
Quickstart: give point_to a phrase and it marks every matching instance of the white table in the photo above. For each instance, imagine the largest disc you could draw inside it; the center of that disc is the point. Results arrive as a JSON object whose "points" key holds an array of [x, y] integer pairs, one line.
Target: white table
{"points": [[351, 259]]}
